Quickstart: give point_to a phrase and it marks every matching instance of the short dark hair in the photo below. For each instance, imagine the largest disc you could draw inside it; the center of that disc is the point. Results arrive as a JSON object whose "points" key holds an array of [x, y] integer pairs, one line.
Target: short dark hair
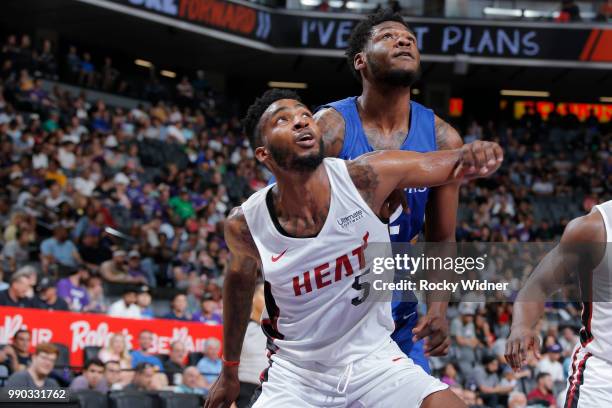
{"points": [[362, 32], [250, 123], [20, 331], [542, 375], [93, 362], [141, 367]]}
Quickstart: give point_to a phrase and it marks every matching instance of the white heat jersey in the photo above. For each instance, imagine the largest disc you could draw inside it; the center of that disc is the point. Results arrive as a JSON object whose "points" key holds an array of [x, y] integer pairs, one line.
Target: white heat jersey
{"points": [[596, 333], [316, 306]]}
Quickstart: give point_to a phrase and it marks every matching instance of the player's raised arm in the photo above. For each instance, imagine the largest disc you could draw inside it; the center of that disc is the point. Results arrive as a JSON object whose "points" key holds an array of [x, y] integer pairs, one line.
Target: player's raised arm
{"points": [[377, 174], [562, 265], [238, 289]]}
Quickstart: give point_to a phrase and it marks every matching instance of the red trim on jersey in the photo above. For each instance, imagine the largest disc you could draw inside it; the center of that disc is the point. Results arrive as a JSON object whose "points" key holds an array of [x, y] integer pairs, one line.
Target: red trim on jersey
{"points": [[586, 289], [574, 391]]}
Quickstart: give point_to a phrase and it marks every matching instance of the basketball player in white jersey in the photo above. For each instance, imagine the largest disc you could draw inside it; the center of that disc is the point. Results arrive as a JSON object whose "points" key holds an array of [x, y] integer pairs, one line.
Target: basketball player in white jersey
{"points": [[583, 254], [328, 345]]}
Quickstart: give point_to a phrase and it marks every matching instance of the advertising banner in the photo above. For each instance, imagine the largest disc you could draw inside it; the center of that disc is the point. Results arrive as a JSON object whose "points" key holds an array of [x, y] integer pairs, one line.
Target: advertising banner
{"points": [[326, 34], [78, 330]]}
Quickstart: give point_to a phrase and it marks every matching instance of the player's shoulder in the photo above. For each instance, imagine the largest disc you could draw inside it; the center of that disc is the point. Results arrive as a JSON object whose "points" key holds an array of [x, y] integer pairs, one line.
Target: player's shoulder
{"points": [[588, 228], [332, 126], [237, 233], [447, 137]]}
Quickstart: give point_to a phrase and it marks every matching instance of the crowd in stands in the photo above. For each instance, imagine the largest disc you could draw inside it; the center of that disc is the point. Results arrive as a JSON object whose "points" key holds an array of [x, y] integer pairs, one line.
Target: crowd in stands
{"points": [[101, 207]]}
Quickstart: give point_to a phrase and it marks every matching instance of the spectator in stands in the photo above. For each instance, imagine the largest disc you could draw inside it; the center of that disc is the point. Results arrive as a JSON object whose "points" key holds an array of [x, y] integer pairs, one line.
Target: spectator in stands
{"points": [[115, 270], [47, 296], [59, 250], [178, 308], [21, 346], [117, 350], [449, 375], [135, 271], [543, 393], [112, 375], [568, 341], [92, 378], [73, 62], [37, 374], [569, 11], [95, 292], [72, 289], [8, 361], [193, 382], [126, 307], [16, 294], [550, 363], [92, 251], [208, 314], [463, 331], [210, 365], [87, 73], [488, 382], [517, 400], [176, 362], [143, 354], [143, 300], [143, 378], [15, 253], [109, 74]]}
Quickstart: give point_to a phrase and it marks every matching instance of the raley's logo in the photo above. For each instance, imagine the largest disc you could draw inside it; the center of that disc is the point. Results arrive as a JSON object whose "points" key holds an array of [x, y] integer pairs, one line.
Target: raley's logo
{"points": [[345, 221], [303, 284]]}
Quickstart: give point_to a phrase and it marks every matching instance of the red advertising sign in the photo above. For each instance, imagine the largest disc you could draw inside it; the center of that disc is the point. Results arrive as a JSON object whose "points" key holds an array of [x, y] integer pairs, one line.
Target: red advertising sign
{"points": [[603, 112], [78, 330]]}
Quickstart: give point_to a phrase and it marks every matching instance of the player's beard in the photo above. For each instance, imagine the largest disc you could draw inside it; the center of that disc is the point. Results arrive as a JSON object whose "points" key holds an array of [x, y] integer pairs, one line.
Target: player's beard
{"points": [[392, 77], [288, 161]]}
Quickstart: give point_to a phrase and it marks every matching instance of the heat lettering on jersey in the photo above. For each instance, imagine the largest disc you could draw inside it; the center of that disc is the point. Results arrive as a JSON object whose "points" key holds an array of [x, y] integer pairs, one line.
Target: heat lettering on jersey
{"points": [[321, 274]]}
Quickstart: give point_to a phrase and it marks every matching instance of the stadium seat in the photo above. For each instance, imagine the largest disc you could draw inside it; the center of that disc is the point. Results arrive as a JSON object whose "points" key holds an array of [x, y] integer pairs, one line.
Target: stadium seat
{"points": [[131, 399], [90, 352], [63, 360], [194, 357], [91, 399], [171, 400]]}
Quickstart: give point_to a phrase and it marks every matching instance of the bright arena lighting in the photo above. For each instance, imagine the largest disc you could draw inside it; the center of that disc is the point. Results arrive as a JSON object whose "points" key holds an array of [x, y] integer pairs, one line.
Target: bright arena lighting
{"points": [[519, 92], [168, 74], [143, 63], [288, 85]]}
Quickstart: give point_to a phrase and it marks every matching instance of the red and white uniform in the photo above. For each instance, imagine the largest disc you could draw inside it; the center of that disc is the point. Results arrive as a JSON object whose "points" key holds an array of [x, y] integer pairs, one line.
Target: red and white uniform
{"points": [[590, 379], [319, 321]]}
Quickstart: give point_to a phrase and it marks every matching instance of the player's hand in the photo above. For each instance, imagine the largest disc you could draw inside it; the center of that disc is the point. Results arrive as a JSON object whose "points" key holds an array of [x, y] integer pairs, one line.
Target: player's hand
{"points": [[479, 159], [396, 199], [433, 327], [521, 342], [225, 390]]}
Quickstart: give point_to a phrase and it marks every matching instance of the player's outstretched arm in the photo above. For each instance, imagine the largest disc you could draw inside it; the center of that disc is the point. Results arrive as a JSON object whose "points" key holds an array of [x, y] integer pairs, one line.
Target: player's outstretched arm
{"points": [[238, 289], [378, 173], [561, 265]]}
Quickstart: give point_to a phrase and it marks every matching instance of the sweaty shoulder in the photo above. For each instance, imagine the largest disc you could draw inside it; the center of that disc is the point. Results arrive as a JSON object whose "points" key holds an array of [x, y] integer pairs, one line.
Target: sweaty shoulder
{"points": [[332, 125], [447, 138], [237, 234], [588, 228]]}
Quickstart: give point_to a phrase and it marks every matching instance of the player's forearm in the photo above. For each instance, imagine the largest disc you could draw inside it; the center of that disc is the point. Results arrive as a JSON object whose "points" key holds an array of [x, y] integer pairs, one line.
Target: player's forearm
{"points": [[238, 290], [429, 169]]}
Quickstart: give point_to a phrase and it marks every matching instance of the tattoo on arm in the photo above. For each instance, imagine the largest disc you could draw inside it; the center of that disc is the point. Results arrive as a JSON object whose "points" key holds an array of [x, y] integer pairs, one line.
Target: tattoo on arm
{"points": [[447, 137], [365, 179], [331, 124]]}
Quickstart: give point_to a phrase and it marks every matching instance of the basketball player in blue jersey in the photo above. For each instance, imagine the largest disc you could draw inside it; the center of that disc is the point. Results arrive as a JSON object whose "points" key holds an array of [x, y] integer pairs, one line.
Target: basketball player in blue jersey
{"points": [[383, 54]]}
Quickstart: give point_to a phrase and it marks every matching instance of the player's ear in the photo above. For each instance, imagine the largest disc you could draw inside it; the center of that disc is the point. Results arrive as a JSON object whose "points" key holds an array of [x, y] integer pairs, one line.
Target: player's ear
{"points": [[261, 154], [359, 62]]}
